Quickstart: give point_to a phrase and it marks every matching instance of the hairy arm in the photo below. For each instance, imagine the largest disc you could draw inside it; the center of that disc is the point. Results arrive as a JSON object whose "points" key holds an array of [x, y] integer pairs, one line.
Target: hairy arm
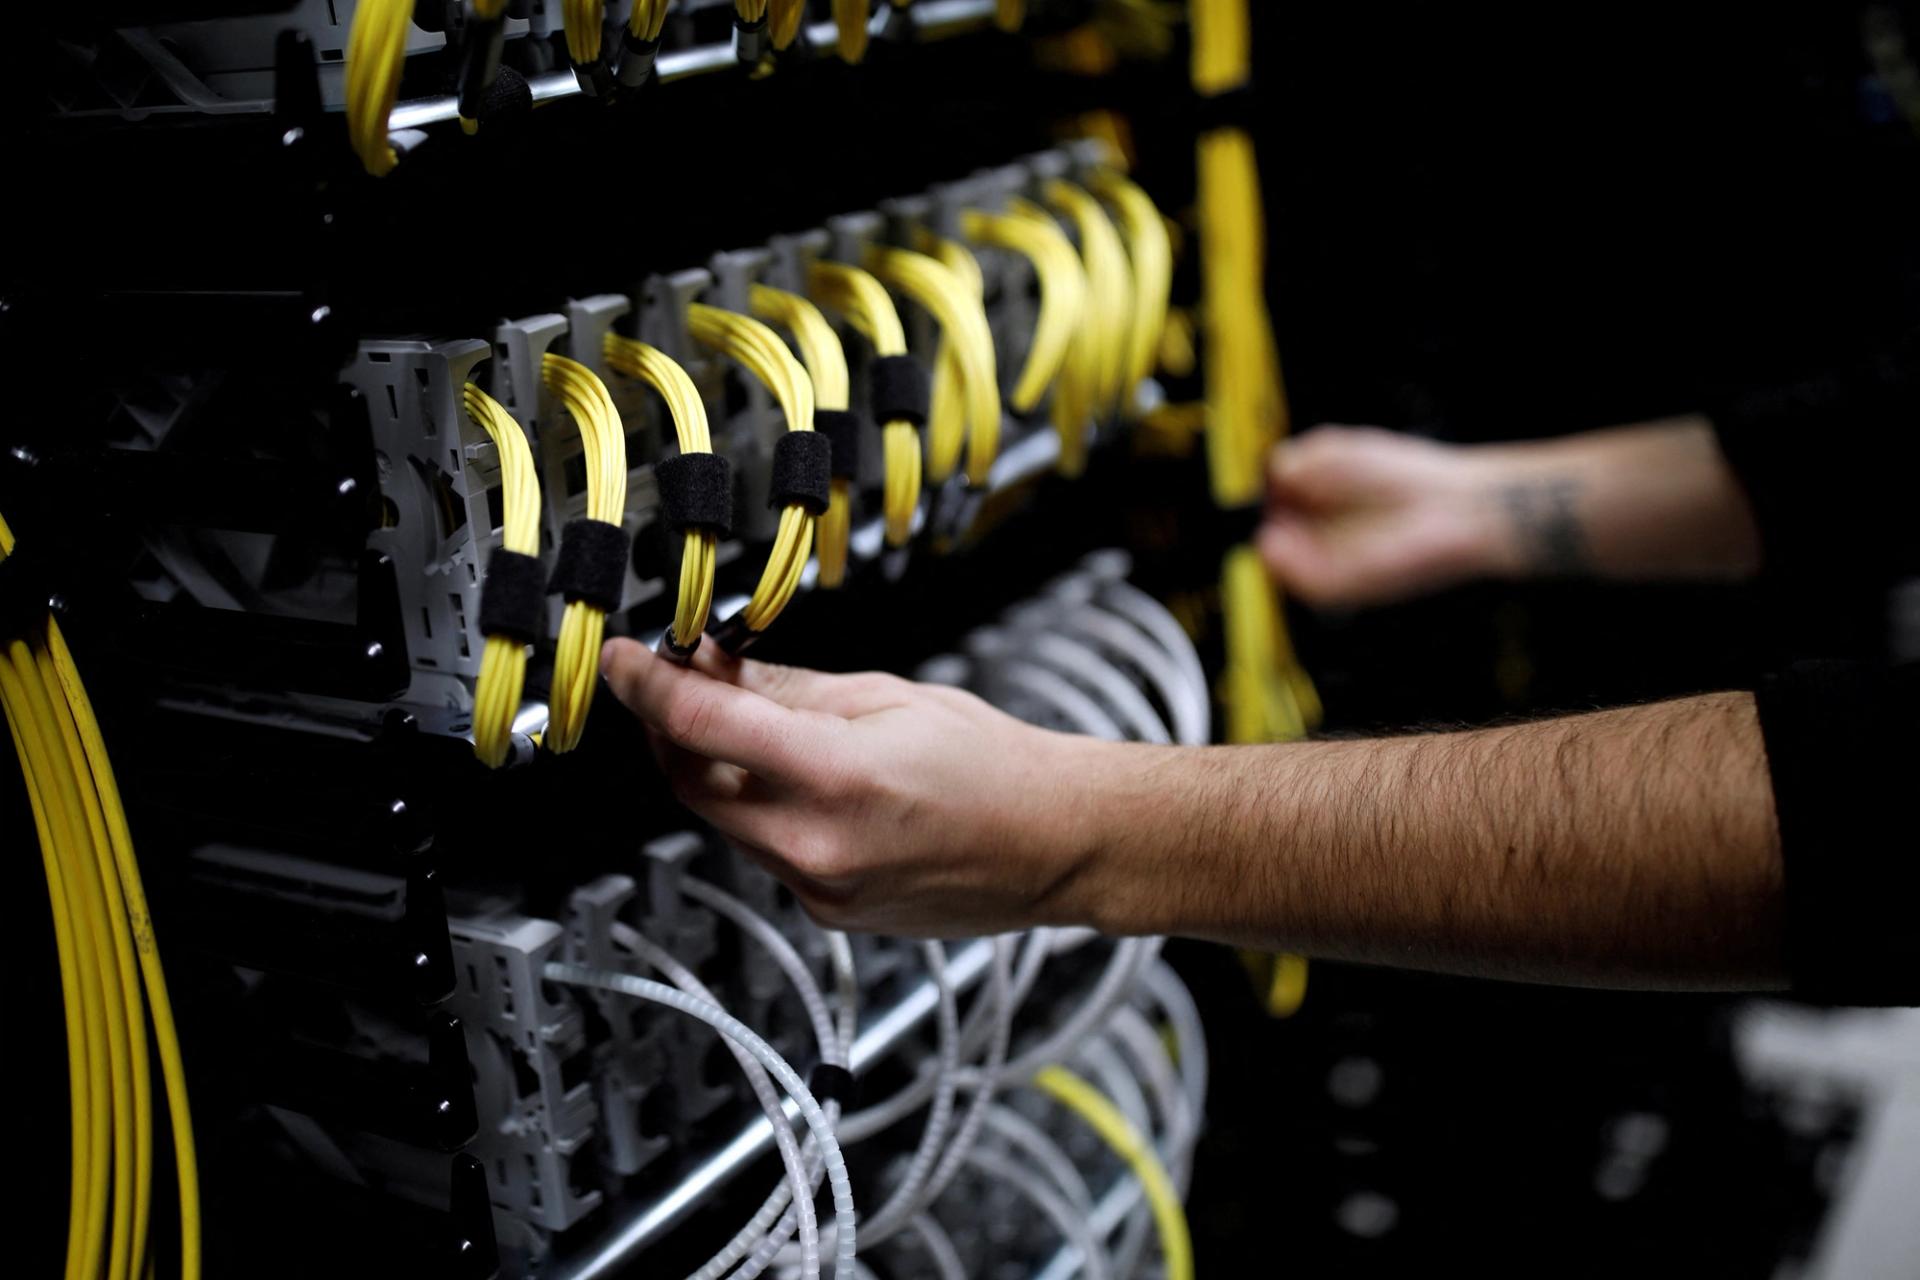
{"points": [[1633, 847]]}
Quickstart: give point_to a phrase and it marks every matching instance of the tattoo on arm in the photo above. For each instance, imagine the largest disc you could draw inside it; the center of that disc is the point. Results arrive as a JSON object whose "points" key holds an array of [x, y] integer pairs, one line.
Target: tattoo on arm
{"points": [[1546, 526]]}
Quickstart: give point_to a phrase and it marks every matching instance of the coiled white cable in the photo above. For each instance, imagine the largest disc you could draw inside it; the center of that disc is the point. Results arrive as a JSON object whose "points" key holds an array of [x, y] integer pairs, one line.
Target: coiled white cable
{"points": [[1030, 1140], [1189, 1037], [939, 1247], [845, 1225], [632, 940], [1037, 1189]]}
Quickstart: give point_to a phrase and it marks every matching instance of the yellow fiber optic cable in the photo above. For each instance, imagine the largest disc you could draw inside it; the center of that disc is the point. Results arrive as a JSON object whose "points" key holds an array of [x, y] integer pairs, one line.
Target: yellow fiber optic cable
{"points": [[503, 661], [783, 23], [1150, 253], [101, 925], [826, 363], [1111, 298], [864, 301], [585, 21], [647, 19], [850, 24], [1009, 14], [660, 371], [963, 326], [760, 351], [1063, 291], [947, 410], [1100, 1115], [376, 57], [603, 442]]}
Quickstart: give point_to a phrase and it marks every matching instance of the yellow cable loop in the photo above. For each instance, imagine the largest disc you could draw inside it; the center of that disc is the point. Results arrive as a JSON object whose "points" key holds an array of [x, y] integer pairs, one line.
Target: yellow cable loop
{"points": [[694, 601], [647, 19], [963, 325], [760, 351], [826, 363], [1150, 250], [503, 661], [1111, 299], [946, 413], [94, 885], [1063, 291], [603, 442], [1100, 1115], [784, 24], [376, 56], [864, 301], [850, 23]]}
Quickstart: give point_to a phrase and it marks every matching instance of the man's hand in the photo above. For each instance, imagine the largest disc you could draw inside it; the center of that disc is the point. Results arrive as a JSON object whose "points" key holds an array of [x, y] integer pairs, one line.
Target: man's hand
{"points": [[885, 805], [1358, 515]]}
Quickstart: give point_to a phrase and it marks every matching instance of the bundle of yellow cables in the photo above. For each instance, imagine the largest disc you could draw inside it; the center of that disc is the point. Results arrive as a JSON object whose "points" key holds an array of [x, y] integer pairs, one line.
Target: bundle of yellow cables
{"points": [[585, 21], [863, 300], [603, 442], [376, 56], [647, 20], [784, 21], [111, 979], [826, 363], [1063, 290], [660, 371], [850, 26], [1150, 253], [1111, 298], [760, 351], [957, 307], [503, 662]]}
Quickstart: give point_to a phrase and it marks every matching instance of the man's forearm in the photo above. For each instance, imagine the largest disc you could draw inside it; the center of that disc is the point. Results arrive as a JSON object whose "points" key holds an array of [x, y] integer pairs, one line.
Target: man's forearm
{"points": [[1642, 502], [1632, 847]]}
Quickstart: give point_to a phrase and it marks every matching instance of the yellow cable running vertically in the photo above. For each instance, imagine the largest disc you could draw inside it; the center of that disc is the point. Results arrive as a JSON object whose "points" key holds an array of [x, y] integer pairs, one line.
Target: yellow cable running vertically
{"points": [[503, 660], [376, 57], [603, 444], [1150, 254], [78, 812]]}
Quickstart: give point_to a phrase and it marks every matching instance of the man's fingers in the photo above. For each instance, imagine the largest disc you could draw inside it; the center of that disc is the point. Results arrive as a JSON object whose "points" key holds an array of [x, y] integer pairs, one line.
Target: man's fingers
{"points": [[708, 716], [801, 689]]}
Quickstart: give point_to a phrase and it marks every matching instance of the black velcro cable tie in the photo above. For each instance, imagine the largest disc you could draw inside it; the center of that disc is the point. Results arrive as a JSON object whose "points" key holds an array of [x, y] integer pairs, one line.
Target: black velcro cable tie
{"points": [[900, 390], [696, 492], [674, 651], [802, 471], [1231, 109], [513, 599], [843, 429], [508, 98], [24, 595], [750, 39], [592, 564], [829, 1082]]}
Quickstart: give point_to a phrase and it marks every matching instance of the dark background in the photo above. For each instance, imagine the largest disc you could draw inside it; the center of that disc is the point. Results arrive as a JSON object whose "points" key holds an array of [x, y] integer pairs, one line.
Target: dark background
{"points": [[1501, 223]]}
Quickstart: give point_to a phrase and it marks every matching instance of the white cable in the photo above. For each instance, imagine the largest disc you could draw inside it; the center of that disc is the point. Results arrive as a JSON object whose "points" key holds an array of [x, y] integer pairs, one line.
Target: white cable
{"points": [[1105, 1066], [846, 985], [1152, 617], [845, 1239], [882, 1115], [774, 1220], [1189, 1037], [783, 954], [1148, 1056], [999, 986], [798, 1179], [1028, 1138], [939, 1247], [1084, 666], [1189, 707], [1129, 958], [1051, 1202]]}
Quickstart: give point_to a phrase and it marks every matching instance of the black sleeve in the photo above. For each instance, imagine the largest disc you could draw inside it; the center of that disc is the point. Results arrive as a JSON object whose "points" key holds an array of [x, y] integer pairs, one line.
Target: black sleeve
{"points": [[1843, 745], [1830, 466]]}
